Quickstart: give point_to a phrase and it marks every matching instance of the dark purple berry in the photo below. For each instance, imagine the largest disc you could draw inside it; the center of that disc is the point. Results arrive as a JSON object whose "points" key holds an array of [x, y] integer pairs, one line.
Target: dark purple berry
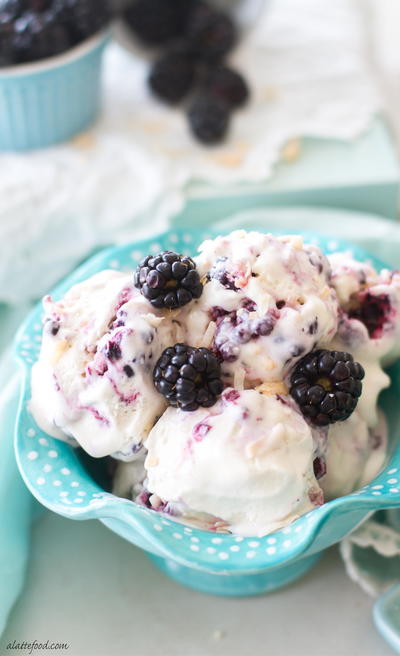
{"points": [[319, 466], [52, 327], [172, 76], [327, 385], [128, 371], [208, 119], [227, 85], [81, 18], [36, 38], [156, 22], [113, 351], [188, 377], [212, 33], [168, 280], [7, 56]]}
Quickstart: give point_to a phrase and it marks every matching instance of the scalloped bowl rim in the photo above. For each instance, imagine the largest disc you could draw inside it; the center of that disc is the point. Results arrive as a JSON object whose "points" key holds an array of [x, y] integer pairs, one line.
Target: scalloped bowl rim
{"points": [[109, 507]]}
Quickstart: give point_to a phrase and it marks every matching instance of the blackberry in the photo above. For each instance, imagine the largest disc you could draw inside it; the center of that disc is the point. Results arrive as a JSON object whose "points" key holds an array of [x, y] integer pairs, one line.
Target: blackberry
{"points": [[208, 119], [212, 33], [327, 385], [38, 5], [35, 38], [168, 280], [228, 85], [155, 22], [6, 36], [87, 17], [172, 76], [188, 377]]}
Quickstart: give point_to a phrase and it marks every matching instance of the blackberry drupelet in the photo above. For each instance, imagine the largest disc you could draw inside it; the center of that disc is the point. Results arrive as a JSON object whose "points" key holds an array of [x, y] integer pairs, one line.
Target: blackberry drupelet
{"points": [[228, 85], [172, 75], [208, 119], [327, 385], [168, 280], [188, 377]]}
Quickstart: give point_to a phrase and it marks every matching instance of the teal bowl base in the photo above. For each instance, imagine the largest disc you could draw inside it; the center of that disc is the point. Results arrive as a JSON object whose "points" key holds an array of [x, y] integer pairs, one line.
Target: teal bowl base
{"points": [[235, 585]]}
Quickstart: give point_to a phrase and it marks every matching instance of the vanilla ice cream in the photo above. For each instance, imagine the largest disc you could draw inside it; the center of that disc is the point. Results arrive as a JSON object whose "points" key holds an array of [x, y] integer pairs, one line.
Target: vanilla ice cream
{"points": [[266, 303], [369, 325], [248, 460], [370, 304], [354, 455], [93, 379]]}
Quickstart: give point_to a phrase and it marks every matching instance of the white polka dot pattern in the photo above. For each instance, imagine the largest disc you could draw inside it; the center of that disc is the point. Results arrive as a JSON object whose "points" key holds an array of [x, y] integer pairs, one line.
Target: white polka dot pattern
{"points": [[59, 480]]}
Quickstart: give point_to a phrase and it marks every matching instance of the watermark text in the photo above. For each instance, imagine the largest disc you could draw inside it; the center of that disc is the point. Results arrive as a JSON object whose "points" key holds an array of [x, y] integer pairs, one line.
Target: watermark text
{"points": [[35, 645]]}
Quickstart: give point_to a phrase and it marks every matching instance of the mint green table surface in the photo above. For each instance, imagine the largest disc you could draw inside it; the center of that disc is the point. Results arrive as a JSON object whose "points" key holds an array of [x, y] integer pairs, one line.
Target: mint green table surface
{"points": [[362, 175]]}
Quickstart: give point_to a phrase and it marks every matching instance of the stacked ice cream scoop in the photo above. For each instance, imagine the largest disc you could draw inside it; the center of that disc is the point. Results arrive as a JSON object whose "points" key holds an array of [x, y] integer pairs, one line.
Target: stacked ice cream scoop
{"points": [[240, 387]]}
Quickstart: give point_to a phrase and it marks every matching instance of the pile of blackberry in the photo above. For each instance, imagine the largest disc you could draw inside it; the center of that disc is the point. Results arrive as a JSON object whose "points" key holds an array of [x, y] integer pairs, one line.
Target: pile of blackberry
{"points": [[31, 30], [193, 39]]}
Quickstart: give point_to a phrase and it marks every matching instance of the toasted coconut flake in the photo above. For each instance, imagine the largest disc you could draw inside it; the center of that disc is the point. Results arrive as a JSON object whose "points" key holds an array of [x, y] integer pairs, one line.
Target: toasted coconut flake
{"points": [[151, 462], [239, 378], [60, 348], [273, 387], [152, 320], [155, 501], [291, 150], [208, 336]]}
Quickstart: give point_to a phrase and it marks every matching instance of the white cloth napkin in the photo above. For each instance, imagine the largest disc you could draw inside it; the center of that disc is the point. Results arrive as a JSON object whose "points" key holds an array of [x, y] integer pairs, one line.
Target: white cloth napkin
{"points": [[308, 71]]}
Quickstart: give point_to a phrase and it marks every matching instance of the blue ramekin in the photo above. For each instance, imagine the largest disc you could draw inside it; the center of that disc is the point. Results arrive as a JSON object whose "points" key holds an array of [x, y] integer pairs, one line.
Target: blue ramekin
{"points": [[52, 100]]}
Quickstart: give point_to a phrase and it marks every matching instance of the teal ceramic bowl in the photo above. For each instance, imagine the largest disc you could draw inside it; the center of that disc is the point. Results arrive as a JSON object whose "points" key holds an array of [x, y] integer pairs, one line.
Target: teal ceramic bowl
{"points": [[218, 564], [51, 100]]}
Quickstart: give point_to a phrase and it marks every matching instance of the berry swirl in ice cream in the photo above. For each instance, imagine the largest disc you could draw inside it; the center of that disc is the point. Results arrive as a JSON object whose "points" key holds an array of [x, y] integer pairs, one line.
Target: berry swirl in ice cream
{"points": [[240, 386], [93, 381], [266, 303]]}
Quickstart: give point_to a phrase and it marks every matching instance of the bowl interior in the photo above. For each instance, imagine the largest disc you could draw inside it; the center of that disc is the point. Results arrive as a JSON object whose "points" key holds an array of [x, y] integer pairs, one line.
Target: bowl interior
{"points": [[61, 480]]}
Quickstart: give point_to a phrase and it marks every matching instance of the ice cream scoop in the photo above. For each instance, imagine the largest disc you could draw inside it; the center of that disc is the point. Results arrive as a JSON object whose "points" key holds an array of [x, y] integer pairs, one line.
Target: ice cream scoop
{"points": [[370, 305], [369, 325], [266, 302], [93, 380], [354, 455], [248, 461]]}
